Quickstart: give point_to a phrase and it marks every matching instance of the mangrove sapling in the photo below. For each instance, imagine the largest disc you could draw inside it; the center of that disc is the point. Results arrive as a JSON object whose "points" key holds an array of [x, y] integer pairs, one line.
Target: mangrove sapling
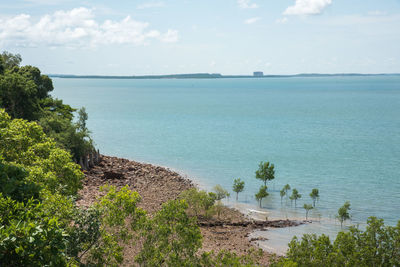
{"points": [[265, 172], [286, 188], [295, 196], [343, 213], [291, 200], [282, 193], [262, 193], [220, 192], [307, 207], [238, 186], [314, 195]]}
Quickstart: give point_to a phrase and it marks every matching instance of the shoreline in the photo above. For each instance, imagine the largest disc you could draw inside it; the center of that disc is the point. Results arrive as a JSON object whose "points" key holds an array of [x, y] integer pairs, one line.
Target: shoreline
{"points": [[158, 184]]}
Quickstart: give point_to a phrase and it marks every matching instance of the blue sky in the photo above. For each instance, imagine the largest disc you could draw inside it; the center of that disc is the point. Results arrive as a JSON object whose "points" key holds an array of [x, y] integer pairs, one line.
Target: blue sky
{"points": [[221, 36]]}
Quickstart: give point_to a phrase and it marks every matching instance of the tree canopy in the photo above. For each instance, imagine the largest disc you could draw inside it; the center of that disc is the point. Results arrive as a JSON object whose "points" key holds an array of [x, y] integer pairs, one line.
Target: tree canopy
{"points": [[378, 245], [265, 172], [24, 94]]}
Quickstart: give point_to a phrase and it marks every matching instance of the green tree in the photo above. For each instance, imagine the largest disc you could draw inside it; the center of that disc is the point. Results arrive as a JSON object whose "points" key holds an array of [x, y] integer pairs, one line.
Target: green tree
{"points": [[199, 201], [238, 186], [29, 236], [10, 60], [314, 195], [282, 194], [286, 188], [18, 96], [295, 196], [117, 208], [2, 67], [378, 245], [343, 213], [262, 193], [220, 192], [14, 183], [171, 237], [307, 207], [24, 93], [74, 137], [43, 83], [265, 172], [24, 143]]}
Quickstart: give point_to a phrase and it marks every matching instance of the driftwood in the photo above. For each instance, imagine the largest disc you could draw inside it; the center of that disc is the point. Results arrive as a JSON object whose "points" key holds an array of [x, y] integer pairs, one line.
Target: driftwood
{"points": [[253, 224]]}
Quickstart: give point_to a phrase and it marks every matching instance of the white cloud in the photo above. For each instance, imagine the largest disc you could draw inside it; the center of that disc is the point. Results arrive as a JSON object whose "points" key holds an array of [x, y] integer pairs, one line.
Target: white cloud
{"points": [[307, 7], [282, 20], [171, 36], [252, 20], [377, 13], [246, 4], [77, 28], [150, 5]]}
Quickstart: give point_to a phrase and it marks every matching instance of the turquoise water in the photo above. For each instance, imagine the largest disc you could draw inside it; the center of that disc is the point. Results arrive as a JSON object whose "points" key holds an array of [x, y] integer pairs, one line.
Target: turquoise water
{"points": [[340, 135]]}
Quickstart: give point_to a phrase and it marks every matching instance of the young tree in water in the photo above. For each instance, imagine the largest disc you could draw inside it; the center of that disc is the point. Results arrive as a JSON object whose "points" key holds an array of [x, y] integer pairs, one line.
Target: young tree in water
{"points": [[282, 193], [238, 186], [265, 172], [262, 193], [314, 195], [286, 188], [295, 196], [307, 207], [343, 213]]}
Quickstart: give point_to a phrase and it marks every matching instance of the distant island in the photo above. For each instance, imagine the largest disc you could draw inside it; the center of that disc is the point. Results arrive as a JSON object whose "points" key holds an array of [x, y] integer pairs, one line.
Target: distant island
{"points": [[215, 76]]}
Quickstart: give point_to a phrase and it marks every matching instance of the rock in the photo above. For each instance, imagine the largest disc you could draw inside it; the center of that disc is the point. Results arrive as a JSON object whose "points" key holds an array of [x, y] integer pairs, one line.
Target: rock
{"points": [[112, 175]]}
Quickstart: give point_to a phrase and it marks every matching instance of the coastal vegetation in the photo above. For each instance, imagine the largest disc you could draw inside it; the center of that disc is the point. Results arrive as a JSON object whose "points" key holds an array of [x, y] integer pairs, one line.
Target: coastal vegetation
{"points": [[41, 223], [265, 172], [307, 207], [238, 186], [261, 194], [24, 94], [295, 196], [314, 195], [343, 213], [377, 245], [282, 193]]}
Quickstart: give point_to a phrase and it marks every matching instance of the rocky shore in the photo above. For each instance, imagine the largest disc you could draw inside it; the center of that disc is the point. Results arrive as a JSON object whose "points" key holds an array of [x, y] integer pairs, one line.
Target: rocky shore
{"points": [[157, 185]]}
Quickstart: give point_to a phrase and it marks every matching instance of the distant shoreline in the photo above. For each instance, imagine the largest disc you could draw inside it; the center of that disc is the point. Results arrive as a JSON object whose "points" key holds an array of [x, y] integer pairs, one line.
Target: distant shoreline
{"points": [[216, 76]]}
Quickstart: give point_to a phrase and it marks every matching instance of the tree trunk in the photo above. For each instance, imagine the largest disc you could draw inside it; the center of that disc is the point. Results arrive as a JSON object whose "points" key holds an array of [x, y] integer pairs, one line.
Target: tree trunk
{"points": [[91, 163]]}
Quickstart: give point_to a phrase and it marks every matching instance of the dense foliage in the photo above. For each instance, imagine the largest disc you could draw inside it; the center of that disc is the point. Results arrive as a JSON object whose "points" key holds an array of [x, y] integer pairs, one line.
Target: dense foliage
{"points": [[238, 186], [24, 94], [378, 245], [265, 172]]}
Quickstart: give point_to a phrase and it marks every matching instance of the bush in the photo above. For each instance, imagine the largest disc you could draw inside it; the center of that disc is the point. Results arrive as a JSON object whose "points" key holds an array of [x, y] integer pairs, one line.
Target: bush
{"points": [[25, 143], [200, 202], [171, 238], [378, 245], [13, 183], [29, 236]]}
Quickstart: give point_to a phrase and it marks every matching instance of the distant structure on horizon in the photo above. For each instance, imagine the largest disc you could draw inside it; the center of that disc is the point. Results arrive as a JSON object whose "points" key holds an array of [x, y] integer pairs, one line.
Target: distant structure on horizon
{"points": [[258, 74]]}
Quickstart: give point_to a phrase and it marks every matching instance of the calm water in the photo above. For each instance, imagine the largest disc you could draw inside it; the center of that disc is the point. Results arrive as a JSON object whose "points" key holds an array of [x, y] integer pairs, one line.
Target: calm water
{"points": [[340, 135]]}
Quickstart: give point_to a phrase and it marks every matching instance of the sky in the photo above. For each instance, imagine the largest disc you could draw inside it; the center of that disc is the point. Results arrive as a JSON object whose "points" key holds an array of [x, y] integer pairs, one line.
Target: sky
{"points": [[130, 37]]}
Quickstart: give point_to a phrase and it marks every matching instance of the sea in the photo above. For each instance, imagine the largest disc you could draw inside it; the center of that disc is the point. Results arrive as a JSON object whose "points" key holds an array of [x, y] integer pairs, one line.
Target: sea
{"points": [[339, 134]]}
